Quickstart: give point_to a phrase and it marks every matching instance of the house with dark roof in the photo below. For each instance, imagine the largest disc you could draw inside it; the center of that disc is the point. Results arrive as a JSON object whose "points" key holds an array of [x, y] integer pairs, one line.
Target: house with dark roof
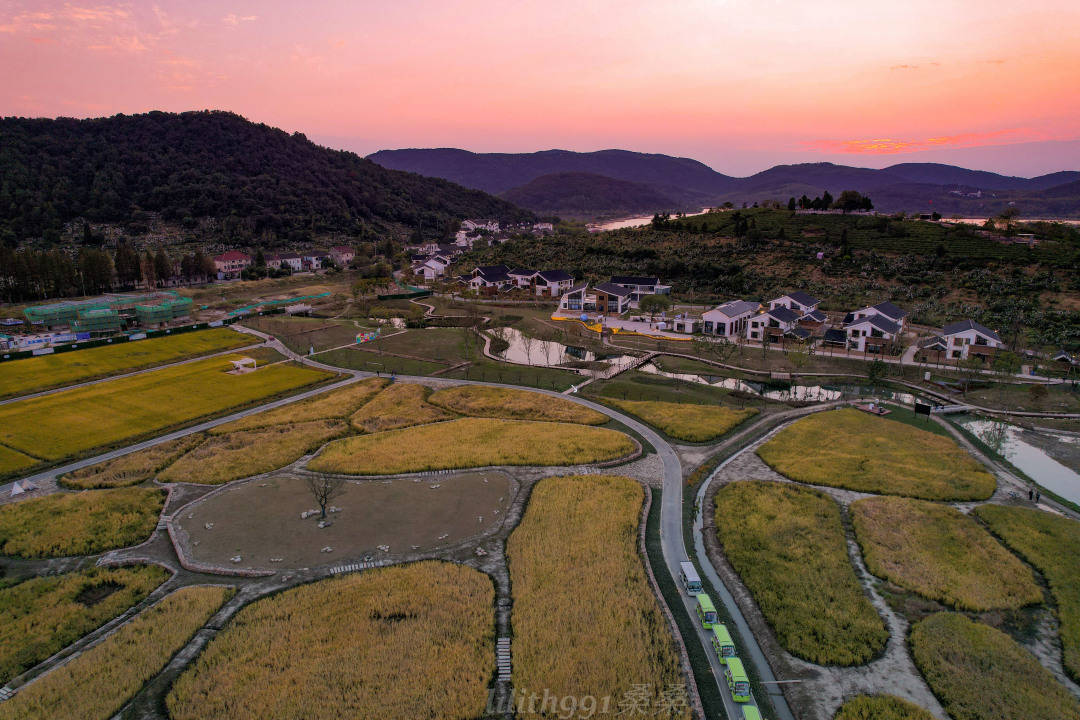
{"points": [[884, 309], [640, 286], [872, 333], [488, 279], [606, 298], [798, 301], [552, 283], [775, 323], [522, 277], [968, 338], [729, 320]]}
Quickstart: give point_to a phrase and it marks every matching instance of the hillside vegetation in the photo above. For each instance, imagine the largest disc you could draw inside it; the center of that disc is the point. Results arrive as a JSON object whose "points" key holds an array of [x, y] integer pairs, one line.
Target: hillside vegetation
{"points": [[587, 195]]}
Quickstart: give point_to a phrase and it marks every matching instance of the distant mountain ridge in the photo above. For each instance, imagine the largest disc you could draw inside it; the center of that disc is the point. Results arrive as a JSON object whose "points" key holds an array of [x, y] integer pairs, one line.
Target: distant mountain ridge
{"points": [[577, 195], [690, 184]]}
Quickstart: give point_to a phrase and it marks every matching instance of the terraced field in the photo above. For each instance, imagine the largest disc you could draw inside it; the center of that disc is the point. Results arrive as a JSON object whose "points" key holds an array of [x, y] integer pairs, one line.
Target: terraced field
{"points": [[500, 402], [400, 405], [685, 421]]}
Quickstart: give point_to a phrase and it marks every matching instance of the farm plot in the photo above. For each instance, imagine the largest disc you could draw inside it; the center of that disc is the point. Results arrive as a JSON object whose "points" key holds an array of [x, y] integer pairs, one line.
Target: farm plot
{"points": [[980, 673], [497, 402], [880, 707], [222, 458], [131, 469], [301, 334], [334, 404], [45, 372], [12, 461], [1052, 544], [851, 449], [400, 405], [72, 422], [683, 421], [586, 622], [941, 554], [82, 523], [471, 442], [401, 516], [46, 614], [96, 684], [397, 643], [787, 544]]}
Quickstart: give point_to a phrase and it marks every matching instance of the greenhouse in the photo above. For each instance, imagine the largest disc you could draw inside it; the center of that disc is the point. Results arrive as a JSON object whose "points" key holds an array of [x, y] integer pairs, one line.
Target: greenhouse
{"points": [[170, 309]]}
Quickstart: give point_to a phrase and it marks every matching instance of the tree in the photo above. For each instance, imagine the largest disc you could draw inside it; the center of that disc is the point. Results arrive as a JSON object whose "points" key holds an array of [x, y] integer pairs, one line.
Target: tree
{"points": [[163, 267], [791, 204], [323, 489], [877, 370], [127, 265], [1038, 393], [260, 259], [970, 370], [653, 304], [850, 200]]}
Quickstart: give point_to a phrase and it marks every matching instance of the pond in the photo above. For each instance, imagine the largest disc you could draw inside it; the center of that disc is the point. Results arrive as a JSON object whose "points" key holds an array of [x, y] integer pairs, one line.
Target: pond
{"points": [[526, 350], [1029, 451]]}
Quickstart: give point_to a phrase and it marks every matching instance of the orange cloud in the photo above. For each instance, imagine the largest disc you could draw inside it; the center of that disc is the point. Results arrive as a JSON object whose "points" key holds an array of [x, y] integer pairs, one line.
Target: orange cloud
{"points": [[888, 146], [232, 19]]}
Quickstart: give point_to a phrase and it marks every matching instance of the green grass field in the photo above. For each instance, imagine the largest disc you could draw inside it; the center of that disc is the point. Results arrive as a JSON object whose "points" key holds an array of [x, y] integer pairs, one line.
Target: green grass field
{"points": [[30, 375], [851, 449], [979, 673], [440, 345], [71, 422], [83, 523], [12, 461], [942, 554], [685, 421], [880, 707], [787, 544], [369, 361]]}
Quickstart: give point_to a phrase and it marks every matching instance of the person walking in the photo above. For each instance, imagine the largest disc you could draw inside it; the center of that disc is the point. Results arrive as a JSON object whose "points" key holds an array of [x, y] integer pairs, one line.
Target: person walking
{"points": [[1031, 495], [1038, 496]]}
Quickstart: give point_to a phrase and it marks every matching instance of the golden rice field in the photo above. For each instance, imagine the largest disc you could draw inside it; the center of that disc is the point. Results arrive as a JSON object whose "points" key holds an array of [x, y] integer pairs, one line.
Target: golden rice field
{"points": [[45, 372], [329, 405], [72, 422], [498, 402], [96, 684], [851, 449], [240, 454], [585, 619], [400, 405], [12, 461], [406, 642], [82, 523], [471, 442], [685, 421], [880, 707], [980, 673], [46, 614], [942, 554], [133, 468], [1052, 544], [787, 544]]}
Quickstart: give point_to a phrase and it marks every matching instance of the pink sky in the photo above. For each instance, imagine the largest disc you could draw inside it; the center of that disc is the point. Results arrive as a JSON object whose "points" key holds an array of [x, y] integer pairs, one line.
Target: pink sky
{"points": [[738, 84]]}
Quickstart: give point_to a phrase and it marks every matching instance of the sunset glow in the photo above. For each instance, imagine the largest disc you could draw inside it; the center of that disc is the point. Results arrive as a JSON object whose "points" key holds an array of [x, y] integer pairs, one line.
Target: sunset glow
{"points": [[737, 84]]}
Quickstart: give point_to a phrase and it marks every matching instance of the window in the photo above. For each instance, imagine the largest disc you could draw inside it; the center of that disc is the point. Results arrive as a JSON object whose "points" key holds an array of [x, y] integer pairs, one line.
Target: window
{"points": [[709, 326]]}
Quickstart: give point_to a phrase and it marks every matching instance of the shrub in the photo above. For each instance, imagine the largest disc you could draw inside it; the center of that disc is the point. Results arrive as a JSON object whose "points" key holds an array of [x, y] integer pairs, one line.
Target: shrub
{"points": [[133, 468], [498, 402], [334, 404], [683, 421], [400, 405], [880, 707]]}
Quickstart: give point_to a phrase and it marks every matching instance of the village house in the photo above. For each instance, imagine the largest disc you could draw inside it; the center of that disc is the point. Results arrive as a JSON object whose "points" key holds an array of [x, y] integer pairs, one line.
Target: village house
{"points": [[230, 264], [968, 338], [489, 225], [522, 277], [640, 286], [884, 309], [798, 301], [605, 298], [433, 268], [552, 283], [683, 323], [342, 255], [313, 260], [775, 323], [728, 320], [872, 333], [488, 279]]}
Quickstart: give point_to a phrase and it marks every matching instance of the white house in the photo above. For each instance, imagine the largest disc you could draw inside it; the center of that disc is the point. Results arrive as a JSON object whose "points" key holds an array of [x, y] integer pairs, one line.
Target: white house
{"points": [[798, 301], [871, 333], [640, 286], [968, 338], [884, 309], [729, 319], [490, 278], [342, 255], [604, 298], [434, 267], [683, 323], [776, 322], [552, 283], [491, 225], [522, 277]]}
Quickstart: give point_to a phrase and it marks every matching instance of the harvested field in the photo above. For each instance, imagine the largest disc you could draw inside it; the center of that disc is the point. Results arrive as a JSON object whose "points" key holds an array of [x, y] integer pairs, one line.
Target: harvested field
{"points": [[398, 643], [12, 461], [1052, 544], [439, 345], [300, 334], [398, 514], [83, 523], [471, 442], [244, 453], [72, 422], [683, 421], [497, 402], [133, 468], [45, 372], [334, 404], [96, 684], [400, 405], [46, 614], [880, 707], [787, 544], [980, 673], [585, 619], [851, 449], [941, 554]]}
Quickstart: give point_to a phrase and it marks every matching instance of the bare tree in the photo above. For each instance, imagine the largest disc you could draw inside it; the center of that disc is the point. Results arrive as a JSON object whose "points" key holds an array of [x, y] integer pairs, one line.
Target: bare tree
{"points": [[324, 488]]}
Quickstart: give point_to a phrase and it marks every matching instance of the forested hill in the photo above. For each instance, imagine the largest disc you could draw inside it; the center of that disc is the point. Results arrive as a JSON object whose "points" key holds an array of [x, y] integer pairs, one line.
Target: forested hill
{"points": [[584, 196], [259, 182]]}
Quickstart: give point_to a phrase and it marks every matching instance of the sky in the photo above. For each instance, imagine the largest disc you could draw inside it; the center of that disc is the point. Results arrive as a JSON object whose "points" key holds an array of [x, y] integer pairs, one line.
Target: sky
{"points": [[740, 85]]}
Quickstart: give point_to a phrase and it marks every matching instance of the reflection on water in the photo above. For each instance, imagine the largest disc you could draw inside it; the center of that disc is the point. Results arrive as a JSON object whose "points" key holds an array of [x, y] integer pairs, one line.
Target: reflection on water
{"points": [[638, 221], [530, 351], [1009, 442]]}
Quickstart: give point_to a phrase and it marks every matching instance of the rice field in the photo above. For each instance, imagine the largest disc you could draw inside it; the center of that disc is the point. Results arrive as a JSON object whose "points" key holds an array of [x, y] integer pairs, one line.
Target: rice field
{"points": [[880, 707], [334, 404], [12, 461], [45, 372], [941, 554], [1052, 544], [586, 622], [83, 523], [43, 615], [471, 442], [223, 458], [72, 422], [499, 402], [787, 544], [131, 469], [851, 449], [415, 641], [96, 684], [980, 673], [400, 405], [685, 421]]}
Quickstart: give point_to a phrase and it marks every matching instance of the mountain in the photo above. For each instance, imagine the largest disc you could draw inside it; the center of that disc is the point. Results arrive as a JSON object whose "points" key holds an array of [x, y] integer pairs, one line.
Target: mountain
{"points": [[586, 195], [233, 179]]}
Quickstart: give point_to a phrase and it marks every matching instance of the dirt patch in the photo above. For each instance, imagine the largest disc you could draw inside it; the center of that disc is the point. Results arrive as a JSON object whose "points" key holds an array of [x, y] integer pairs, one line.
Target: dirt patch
{"points": [[259, 521], [92, 595]]}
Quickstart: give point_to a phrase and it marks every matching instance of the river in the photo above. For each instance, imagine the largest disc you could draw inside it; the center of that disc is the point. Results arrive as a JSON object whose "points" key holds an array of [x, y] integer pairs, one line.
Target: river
{"points": [[638, 221]]}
